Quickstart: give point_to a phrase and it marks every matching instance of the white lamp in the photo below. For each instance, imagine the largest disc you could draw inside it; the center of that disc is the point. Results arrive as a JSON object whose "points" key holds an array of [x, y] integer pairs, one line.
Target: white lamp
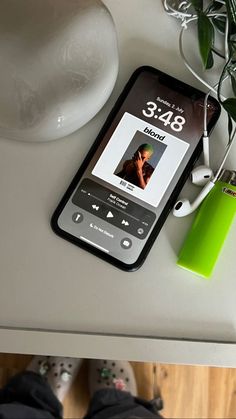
{"points": [[59, 64]]}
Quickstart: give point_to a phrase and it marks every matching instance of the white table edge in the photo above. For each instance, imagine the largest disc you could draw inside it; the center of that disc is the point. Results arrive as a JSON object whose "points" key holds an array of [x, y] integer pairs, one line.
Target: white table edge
{"points": [[123, 347]]}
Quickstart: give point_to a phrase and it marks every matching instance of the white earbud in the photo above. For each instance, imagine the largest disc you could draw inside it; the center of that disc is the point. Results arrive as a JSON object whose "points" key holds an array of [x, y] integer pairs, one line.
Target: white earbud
{"points": [[183, 207], [202, 174]]}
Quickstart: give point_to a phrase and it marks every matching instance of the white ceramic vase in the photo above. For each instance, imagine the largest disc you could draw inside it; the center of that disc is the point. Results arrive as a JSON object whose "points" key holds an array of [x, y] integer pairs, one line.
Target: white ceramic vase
{"points": [[59, 64]]}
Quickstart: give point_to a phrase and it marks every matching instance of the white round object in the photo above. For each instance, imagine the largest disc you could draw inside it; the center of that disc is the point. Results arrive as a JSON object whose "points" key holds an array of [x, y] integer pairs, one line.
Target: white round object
{"points": [[200, 175], [59, 64]]}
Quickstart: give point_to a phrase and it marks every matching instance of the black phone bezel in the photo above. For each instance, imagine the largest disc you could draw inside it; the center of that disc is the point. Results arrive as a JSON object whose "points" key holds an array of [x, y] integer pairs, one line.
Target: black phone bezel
{"points": [[188, 90]]}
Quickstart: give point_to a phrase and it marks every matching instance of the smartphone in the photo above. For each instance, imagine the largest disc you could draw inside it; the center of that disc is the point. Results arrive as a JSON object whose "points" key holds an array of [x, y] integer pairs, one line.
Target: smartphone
{"points": [[125, 188]]}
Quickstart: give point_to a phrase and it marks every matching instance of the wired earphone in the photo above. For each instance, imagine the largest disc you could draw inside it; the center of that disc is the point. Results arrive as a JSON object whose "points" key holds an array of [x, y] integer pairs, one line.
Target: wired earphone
{"points": [[200, 175], [183, 207]]}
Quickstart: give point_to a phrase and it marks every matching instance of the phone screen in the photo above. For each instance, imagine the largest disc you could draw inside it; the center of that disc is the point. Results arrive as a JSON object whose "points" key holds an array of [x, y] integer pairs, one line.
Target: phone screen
{"points": [[124, 193]]}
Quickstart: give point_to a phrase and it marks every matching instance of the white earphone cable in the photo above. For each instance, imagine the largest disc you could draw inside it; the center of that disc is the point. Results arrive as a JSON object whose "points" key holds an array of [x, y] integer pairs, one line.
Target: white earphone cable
{"points": [[228, 148]]}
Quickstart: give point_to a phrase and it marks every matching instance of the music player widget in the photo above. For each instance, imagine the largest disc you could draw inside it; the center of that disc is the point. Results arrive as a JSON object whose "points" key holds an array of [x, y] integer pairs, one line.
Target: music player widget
{"points": [[113, 208]]}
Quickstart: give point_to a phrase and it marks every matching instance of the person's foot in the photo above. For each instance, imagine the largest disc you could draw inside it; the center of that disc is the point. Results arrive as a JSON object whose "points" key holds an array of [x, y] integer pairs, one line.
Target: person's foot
{"points": [[59, 372], [117, 375]]}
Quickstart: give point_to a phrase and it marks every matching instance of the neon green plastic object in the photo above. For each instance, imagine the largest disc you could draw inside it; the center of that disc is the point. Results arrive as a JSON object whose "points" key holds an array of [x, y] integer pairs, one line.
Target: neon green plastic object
{"points": [[209, 230]]}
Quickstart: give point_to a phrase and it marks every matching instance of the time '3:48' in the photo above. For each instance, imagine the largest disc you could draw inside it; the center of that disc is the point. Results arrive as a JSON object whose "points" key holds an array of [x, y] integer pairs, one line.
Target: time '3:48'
{"points": [[176, 122]]}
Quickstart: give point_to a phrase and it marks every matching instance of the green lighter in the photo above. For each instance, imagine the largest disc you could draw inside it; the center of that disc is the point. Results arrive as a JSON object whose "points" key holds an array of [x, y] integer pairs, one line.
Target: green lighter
{"points": [[210, 227]]}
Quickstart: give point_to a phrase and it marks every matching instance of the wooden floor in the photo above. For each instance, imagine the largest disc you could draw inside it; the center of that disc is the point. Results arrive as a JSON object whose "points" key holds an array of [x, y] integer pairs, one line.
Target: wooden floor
{"points": [[188, 392]]}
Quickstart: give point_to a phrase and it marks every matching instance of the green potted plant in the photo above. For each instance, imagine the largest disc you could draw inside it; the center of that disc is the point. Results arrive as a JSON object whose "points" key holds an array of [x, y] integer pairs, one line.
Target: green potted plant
{"points": [[214, 19]]}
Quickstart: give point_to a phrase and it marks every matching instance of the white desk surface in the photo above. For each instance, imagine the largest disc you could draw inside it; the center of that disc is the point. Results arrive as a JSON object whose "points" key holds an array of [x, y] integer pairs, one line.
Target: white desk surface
{"points": [[78, 304]]}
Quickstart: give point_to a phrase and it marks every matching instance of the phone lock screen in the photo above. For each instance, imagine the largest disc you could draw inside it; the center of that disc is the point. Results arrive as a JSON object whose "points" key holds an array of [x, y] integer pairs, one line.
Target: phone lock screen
{"points": [[128, 183]]}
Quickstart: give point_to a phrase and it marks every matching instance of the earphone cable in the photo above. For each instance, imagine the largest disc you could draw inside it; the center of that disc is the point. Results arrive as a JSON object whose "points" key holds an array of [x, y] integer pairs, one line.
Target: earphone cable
{"points": [[228, 148]]}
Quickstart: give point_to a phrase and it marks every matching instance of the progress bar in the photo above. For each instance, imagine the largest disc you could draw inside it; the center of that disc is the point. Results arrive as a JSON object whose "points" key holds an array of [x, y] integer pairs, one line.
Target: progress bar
{"points": [[94, 244]]}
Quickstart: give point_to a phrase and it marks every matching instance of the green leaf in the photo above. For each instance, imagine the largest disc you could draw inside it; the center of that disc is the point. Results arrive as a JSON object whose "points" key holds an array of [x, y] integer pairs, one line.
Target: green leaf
{"points": [[216, 5], [231, 11], [205, 37], [232, 47], [210, 61], [219, 23], [197, 4], [230, 107], [231, 8], [232, 42], [230, 126], [233, 81]]}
